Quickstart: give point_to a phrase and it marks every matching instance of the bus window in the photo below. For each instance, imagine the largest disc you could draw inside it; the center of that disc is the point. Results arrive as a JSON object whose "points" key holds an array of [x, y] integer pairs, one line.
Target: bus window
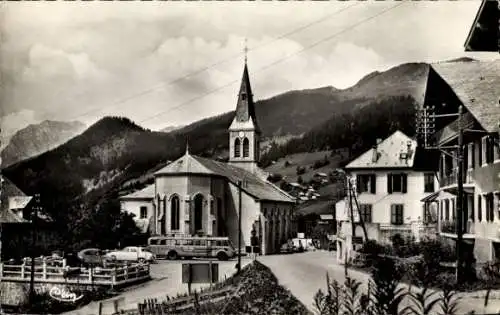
{"points": [[163, 242], [153, 242], [196, 242]]}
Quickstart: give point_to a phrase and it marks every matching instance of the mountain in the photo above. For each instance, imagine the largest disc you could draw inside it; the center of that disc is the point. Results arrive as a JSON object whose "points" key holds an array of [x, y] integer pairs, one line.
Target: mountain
{"points": [[115, 151], [170, 128], [38, 138]]}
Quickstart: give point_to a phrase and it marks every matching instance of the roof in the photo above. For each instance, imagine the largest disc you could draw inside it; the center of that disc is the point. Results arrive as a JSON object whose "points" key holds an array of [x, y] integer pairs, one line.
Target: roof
{"points": [[9, 189], [484, 31], [245, 108], [253, 185], [450, 131], [476, 84], [146, 193], [388, 154]]}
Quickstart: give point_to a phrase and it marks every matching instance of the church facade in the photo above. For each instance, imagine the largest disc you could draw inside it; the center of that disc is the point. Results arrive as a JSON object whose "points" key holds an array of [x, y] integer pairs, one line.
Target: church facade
{"points": [[200, 196]]}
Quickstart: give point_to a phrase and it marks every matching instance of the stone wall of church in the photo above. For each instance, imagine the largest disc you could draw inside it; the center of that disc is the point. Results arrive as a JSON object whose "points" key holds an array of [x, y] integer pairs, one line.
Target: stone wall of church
{"points": [[250, 209]]}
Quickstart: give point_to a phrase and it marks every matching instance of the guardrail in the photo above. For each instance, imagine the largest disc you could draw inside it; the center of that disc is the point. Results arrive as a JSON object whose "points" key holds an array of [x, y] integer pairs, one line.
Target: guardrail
{"points": [[45, 273]]}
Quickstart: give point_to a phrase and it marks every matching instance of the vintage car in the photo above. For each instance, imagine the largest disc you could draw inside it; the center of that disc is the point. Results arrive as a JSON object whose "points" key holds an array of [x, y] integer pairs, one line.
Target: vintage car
{"points": [[131, 253]]}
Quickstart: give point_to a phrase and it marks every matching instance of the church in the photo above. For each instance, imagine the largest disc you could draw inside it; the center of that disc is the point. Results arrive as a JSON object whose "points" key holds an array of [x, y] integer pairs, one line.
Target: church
{"points": [[199, 196]]}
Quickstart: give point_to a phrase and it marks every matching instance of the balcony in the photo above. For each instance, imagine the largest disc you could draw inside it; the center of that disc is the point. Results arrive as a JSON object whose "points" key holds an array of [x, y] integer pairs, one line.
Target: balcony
{"points": [[450, 227], [451, 179]]}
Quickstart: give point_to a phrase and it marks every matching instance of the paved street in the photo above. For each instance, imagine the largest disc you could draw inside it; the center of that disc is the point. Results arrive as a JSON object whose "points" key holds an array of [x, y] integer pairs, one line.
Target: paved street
{"points": [[303, 274]]}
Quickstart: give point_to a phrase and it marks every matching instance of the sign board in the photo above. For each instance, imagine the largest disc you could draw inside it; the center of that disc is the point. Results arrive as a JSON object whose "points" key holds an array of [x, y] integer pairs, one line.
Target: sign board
{"points": [[63, 294], [200, 273], [252, 249]]}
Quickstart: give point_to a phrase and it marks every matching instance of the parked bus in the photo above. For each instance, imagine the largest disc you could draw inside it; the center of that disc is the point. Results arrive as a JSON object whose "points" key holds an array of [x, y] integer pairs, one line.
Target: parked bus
{"points": [[175, 247]]}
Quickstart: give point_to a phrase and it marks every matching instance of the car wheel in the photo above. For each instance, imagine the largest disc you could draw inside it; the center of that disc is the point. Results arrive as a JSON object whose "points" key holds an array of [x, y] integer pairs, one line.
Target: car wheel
{"points": [[222, 256], [172, 255]]}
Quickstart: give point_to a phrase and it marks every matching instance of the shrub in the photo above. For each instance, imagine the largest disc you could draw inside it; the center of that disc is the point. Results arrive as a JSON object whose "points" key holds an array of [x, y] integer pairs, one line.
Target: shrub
{"points": [[300, 170]]}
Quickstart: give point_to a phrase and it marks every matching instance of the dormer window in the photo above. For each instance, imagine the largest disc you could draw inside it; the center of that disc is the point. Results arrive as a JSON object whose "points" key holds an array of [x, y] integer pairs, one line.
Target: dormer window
{"points": [[243, 96]]}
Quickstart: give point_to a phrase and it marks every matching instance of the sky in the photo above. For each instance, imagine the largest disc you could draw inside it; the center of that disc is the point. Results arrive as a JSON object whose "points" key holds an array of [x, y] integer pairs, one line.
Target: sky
{"points": [[171, 63]]}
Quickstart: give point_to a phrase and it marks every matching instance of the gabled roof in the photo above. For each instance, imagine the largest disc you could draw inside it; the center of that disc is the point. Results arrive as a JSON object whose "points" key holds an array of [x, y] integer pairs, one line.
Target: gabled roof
{"points": [[146, 193], [476, 84], [484, 32], [9, 189], [252, 184], [388, 152]]}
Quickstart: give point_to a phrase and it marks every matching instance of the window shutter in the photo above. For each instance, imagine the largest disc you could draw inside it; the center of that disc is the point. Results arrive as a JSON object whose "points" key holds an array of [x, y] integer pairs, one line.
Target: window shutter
{"points": [[404, 178], [389, 183], [358, 184], [372, 184], [393, 214]]}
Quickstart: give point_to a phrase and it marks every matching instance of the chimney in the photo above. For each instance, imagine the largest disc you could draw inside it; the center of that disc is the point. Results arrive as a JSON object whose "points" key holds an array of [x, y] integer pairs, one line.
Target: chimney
{"points": [[375, 151]]}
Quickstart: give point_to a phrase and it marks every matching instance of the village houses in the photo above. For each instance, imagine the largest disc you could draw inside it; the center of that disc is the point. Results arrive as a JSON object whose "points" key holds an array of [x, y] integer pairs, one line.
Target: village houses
{"points": [[200, 196], [388, 183]]}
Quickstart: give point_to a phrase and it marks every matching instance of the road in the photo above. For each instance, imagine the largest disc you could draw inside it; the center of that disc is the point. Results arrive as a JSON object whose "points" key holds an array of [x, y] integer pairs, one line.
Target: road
{"points": [[167, 280], [303, 274]]}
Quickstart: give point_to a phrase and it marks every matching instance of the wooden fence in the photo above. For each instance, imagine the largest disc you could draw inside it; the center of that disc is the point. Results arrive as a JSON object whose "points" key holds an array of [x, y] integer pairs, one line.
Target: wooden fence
{"points": [[171, 306], [44, 273]]}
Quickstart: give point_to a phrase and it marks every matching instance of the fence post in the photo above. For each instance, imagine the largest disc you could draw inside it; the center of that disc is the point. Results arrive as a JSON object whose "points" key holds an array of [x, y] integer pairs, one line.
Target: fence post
{"points": [[22, 270], [1, 270]]}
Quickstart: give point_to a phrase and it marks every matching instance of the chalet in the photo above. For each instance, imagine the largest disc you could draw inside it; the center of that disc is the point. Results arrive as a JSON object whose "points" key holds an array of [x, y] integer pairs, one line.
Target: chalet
{"points": [[473, 85], [389, 182]]}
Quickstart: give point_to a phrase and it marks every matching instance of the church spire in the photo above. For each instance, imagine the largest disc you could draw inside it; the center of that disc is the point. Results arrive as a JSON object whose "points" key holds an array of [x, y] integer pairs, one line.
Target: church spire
{"points": [[187, 147], [245, 109]]}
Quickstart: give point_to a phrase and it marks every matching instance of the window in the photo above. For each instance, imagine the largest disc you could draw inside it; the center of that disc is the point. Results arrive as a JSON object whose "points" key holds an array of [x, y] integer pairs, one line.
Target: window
{"points": [[246, 147], [441, 212], [470, 206], [479, 208], [490, 212], [365, 183], [397, 214], [429, 182], [396, 183], [143, 212], [496, 148], [237, 147], [470, 155], [175, 213], [366, 212], [497, 197]]}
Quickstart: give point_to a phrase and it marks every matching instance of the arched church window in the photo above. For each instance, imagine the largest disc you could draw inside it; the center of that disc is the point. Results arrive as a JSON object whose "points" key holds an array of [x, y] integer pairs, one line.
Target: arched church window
{"points": [[237, 145], [198, 212], [175, 213], [246, 147]]}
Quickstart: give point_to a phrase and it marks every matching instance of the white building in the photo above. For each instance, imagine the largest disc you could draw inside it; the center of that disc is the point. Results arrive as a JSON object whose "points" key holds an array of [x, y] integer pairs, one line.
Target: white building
{"points": [[389, 182], [141, 204]]}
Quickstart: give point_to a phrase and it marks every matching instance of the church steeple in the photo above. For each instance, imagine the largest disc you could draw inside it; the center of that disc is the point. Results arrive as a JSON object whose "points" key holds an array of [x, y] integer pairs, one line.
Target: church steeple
{"points": [[244, 132]]}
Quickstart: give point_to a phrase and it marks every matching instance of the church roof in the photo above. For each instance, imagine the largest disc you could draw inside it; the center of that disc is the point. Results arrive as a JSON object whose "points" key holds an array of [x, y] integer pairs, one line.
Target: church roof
{"points": [[252, 184], [388, 154], [146, 193], [245, 108], [476, 84]]}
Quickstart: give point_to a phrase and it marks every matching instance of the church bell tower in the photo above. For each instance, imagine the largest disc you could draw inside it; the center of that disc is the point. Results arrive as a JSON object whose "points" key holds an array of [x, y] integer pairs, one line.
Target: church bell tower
{"points": [[244, 132]]}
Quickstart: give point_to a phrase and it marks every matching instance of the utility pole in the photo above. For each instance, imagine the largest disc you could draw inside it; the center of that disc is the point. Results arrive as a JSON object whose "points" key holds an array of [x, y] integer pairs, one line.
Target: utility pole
{"points": [[460, 198], [34, 216], [239, 226], [425, 128]]}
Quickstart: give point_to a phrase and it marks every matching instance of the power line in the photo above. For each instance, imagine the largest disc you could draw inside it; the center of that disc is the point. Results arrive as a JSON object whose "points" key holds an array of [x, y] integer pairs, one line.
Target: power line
{"points": [[208, 67], [277, 61]]}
